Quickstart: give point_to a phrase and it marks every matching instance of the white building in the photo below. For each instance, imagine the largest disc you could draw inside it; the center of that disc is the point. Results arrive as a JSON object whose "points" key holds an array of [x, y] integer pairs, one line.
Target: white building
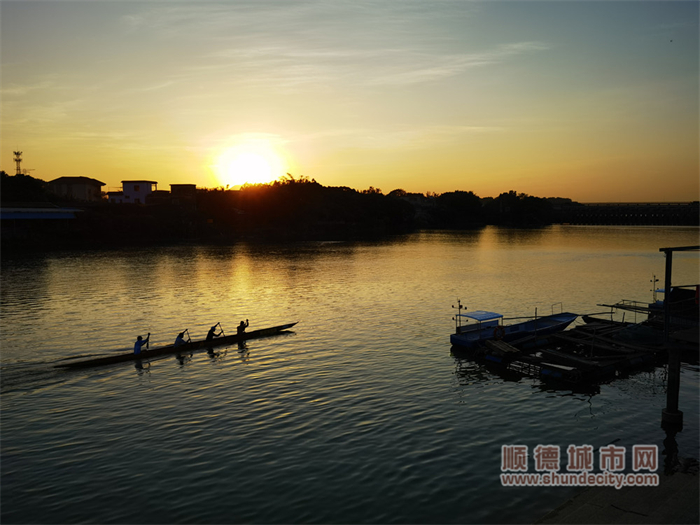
{"points": [[136, 191], [115, 197]]}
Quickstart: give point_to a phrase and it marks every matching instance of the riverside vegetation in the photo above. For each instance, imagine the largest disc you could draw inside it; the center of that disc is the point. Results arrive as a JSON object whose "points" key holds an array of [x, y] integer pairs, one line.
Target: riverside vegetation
{"points": [[289, 208]]}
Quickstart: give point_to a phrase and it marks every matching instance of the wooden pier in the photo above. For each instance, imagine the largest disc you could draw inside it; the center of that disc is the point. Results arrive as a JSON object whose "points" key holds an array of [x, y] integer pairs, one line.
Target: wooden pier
{"points": [[591, 353], [602, 349]]}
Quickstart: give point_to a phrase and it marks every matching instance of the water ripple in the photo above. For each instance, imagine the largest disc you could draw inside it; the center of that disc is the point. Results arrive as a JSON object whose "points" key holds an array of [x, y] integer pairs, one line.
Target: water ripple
{"points": [[361, 416]]}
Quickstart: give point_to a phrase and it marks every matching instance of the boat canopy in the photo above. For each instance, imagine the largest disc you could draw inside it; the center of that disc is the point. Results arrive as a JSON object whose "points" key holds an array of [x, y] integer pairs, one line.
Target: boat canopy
{"points": [[481, 315]]}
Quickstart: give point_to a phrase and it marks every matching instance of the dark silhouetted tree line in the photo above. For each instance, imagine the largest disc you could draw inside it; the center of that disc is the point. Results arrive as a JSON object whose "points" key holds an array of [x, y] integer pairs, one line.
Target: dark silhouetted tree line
{"points": [[290, 208], [519, 209], [465, 209], [303, 208], [22, 188]]}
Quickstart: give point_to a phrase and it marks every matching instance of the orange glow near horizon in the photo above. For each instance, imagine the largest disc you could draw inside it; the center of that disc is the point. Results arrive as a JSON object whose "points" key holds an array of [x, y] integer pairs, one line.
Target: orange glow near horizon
{"points": [[486, 97], [249, 161]]}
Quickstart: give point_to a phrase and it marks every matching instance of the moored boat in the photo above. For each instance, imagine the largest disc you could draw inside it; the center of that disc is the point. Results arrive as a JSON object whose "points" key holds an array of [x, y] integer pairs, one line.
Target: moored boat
{"points": [[172, 349], [483, 326]]}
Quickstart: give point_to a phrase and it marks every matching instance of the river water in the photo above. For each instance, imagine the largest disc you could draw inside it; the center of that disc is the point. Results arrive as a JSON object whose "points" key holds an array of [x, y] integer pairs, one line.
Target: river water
{"points": [[362, 415]]}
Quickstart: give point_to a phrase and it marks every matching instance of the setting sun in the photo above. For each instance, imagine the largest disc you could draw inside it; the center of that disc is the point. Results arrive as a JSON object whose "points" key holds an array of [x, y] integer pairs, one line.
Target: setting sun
{"points": [[249, 162]]}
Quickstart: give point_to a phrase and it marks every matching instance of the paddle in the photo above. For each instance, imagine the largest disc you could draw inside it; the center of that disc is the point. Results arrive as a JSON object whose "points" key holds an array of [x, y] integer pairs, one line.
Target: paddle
{"points": [[222, 328], [189, 339], [148, 338]]}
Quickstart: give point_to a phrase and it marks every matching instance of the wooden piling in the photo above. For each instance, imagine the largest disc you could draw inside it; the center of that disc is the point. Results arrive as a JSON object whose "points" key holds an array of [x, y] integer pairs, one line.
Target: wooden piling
{"points": [[671, 416]]}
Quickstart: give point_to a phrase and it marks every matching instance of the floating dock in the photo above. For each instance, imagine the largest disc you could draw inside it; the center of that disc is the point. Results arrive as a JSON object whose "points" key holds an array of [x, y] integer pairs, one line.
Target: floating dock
{"points": [[594, 352]]}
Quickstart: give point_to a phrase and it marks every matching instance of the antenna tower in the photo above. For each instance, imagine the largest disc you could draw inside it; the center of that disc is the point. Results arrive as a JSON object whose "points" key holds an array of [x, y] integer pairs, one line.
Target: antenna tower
{"points": [[18, 161]]}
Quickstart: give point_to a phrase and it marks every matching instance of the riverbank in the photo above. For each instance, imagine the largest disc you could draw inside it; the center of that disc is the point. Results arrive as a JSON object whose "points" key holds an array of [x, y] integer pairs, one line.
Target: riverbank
{"points": [[34, 219]]}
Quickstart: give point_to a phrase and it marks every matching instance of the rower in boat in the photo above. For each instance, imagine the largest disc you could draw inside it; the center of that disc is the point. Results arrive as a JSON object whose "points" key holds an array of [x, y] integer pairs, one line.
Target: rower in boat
{"points": [[140, 341], [212, 332], [241, 327], [172, 349], [180, 339]]}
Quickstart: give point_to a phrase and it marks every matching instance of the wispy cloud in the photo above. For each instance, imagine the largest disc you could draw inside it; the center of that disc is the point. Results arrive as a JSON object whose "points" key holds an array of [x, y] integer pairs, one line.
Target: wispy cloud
{"points": [[44, 114], [152, 87], [419, 137], [414, 67], [286, 68], [295, 45], [20, 90]]}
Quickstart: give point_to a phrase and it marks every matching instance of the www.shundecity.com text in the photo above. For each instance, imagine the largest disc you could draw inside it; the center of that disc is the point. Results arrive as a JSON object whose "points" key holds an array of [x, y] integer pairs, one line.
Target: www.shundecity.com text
{"points": [[582, 479], [547, 462]]}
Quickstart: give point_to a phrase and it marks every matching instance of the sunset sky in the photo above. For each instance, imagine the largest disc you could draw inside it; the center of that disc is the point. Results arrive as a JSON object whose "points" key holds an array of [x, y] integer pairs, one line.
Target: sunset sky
{"points": [[595, 101]]}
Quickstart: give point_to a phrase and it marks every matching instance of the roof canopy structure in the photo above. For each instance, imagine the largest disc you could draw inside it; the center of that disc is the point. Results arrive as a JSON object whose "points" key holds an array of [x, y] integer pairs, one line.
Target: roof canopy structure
{"points": [[482, 315]]}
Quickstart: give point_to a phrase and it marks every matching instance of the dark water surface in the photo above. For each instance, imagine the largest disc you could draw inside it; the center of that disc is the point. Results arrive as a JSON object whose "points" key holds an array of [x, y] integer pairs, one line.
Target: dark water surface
{"points": [[360, 416]]}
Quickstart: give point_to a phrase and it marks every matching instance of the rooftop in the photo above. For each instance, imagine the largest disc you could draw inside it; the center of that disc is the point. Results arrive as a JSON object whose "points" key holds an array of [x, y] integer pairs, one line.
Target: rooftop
{"points": [[77, 180]]}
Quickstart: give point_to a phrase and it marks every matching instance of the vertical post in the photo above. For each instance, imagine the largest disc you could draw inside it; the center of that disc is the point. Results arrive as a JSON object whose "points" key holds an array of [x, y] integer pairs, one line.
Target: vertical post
{"points": [[667, 294], [671, 415], [457, 316]]}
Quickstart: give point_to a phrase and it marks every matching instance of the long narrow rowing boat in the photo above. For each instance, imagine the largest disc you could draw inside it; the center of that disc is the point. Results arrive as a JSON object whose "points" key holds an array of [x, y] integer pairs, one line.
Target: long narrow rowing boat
{"points": [[172, 349]]}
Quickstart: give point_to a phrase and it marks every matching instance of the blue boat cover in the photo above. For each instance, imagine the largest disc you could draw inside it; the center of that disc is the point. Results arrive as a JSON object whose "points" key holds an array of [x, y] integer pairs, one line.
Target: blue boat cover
{"points": [[481, 315]]}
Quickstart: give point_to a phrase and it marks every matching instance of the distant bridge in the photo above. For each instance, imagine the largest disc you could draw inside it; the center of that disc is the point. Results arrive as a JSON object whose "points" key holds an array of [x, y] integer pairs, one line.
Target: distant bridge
{"points": [[634, 213]]}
